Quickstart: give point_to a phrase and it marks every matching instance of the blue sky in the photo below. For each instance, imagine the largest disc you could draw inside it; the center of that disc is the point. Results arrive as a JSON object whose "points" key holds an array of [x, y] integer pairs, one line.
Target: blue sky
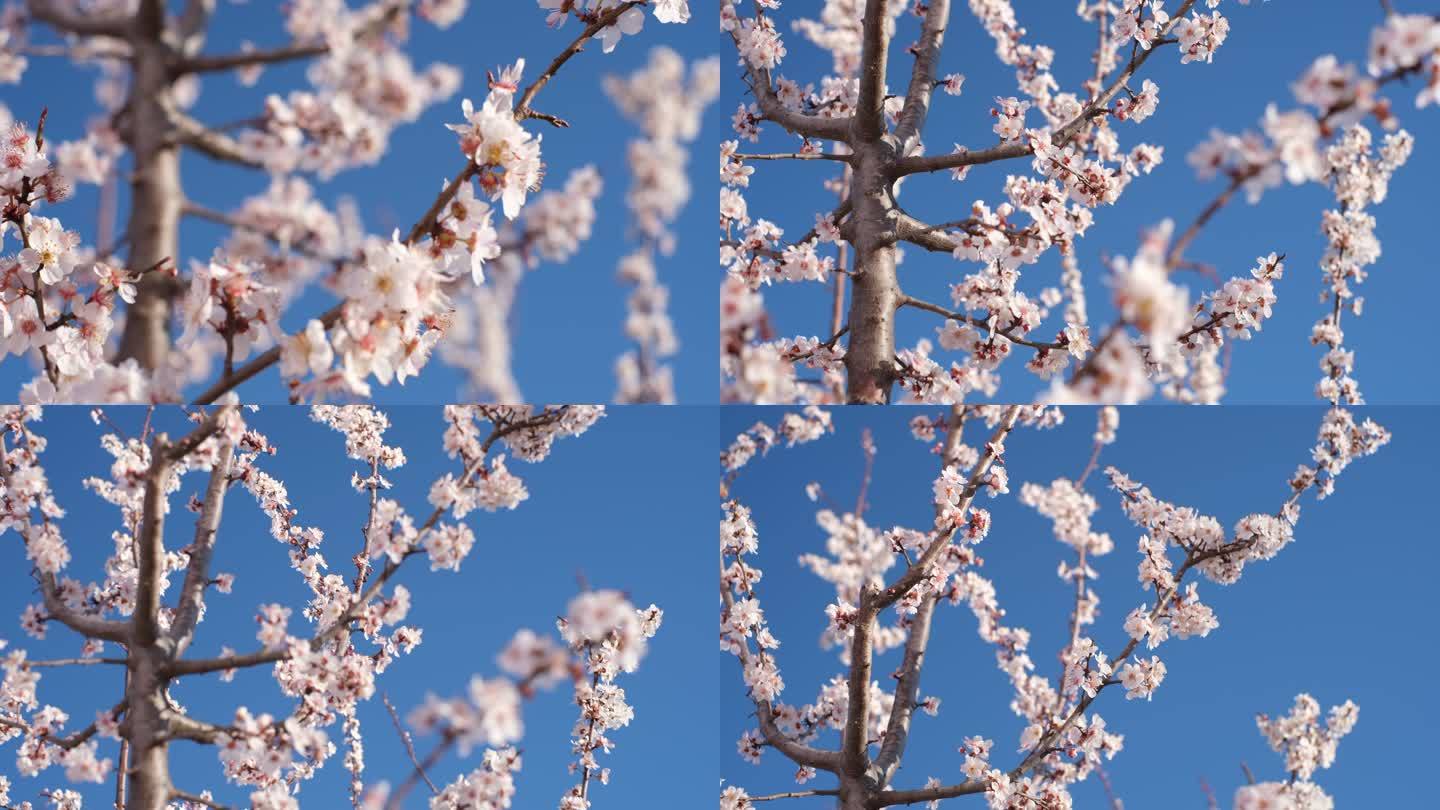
{"points": [[522, 573], [569, 317], [1339, 613], [1269, 46]]}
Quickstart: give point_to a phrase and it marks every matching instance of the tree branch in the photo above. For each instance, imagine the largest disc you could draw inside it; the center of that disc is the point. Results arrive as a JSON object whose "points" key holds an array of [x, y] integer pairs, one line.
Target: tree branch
{"points": [[150, 545], [604, 20], [907, 690], [84, 25], [197, 576], [385, 13], [287, 53], [912, 576], [798, 752], [206, 141], [874, 54], [90, 626], [915, 165], [922, 77], [916, 303], [798, 156], [854, 742], [772, 109], [798, 794]]}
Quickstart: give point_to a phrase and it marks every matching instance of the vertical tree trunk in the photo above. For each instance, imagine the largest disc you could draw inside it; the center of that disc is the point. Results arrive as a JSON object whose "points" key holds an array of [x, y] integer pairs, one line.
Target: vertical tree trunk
{"points": [[150, 787], [853, 795], [155, 203], [875, 291]]}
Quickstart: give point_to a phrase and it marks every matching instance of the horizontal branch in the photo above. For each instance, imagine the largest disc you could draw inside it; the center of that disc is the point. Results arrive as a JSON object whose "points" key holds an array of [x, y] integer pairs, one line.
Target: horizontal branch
{"points": [[916, 303], [211, 143], [890, 798], [847, 159], [211, 64], [73, 662], [797, 794], [385, 13]]}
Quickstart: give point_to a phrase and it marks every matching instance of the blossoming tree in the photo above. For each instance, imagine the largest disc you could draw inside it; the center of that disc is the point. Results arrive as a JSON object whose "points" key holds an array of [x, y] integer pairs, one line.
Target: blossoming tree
{"points": [[131, 319], [890, 583], [145, 614], [1062, 145]]}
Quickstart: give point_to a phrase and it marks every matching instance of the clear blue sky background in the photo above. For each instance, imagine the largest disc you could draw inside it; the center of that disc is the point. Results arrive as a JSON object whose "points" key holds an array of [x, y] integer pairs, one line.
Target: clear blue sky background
{"points": [[568, 320], [1269, 46], [1341, 613], [522, 573]]}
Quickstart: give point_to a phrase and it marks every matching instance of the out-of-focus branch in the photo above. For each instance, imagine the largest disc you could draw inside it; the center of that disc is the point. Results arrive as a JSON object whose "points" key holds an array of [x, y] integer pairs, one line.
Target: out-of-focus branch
{"points": [[799, 156], [211, 143], [288, 53], [384, 15], [426, 222], [91, 626], [84, 25]]}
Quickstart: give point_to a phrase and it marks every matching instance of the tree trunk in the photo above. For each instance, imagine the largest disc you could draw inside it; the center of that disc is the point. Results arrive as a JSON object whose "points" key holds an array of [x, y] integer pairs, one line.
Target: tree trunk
{"points": [[150, 787], [875, 291], [854, 795], [155, 204]]}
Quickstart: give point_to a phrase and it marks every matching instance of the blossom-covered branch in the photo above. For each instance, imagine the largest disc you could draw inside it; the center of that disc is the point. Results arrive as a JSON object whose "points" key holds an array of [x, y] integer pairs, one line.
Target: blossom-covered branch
{"points": [[150, 325], [1064, 738], [154, 617], [1164, 339]]}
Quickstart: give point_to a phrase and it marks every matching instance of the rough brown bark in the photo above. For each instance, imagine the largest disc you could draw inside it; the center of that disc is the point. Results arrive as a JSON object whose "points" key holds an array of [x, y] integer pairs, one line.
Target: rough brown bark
{"points": [[150, 786], [156, 198], [875, 290]]}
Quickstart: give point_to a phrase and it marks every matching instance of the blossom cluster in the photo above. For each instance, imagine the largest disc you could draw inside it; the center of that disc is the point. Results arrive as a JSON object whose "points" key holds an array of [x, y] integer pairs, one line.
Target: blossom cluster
{"points": [[357, 625], [668, 105], [604, 635], [1307, 745], [1167, 341], [1063, 740], [63, 304]]}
